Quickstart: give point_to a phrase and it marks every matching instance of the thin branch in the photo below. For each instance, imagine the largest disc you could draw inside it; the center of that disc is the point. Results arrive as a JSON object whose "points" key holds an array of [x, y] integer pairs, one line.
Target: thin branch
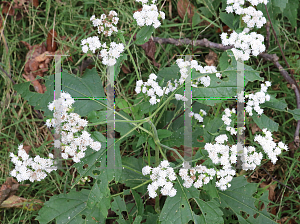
{"points": [[280, 181], [296, 86]]}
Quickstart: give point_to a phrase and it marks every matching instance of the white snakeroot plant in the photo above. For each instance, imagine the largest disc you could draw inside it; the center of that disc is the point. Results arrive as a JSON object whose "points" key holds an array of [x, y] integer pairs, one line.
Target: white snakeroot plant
{"points": [[245, 43], [161, 176], [198, 116], [149, 15], [105, 26], [27, 168], [74, 140]]}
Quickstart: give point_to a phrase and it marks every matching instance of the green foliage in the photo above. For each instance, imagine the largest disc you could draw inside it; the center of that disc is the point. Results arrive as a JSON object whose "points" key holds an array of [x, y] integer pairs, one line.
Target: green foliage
{"points": [[239, 198], [144, 35], [71, 208], [88, 87]]}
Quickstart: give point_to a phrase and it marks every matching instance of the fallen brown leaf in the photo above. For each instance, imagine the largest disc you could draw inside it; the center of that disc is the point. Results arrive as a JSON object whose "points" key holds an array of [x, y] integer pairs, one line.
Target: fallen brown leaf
{"points": [[19, 202], [125, 69], [183, 6], [51, 43], [211, 59]]}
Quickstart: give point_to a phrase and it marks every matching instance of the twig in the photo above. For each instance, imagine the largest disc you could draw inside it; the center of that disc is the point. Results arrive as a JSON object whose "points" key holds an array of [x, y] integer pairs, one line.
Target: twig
{"points": [[280, 182], [176, 117], [268, 35], [296, 86]]}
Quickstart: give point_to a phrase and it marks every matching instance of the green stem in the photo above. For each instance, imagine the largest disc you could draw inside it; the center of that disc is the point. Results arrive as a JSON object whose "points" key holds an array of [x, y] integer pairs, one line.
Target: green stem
{"points": [[133, 188], [124, 121]]}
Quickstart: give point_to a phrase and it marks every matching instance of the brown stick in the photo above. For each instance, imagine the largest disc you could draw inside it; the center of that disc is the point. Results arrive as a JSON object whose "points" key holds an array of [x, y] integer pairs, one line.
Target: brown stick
{"points": [[294, 85]]}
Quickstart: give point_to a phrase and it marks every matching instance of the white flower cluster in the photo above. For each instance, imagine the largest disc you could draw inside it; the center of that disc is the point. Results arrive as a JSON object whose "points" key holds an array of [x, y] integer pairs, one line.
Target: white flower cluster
{"points": [[252, 16], [149, 15], [198, 116], [250, 158], [27, 168], [225, 156], [73, 143], [106, 22], [153, 90], [110, 55], [227, 120], [269, 146], [244, 44], [190, 175], [204, 80], [258, 98], [161, 176]]}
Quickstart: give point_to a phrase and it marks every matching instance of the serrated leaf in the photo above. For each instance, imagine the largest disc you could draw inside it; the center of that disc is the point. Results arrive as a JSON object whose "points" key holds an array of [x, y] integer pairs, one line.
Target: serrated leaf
{"points": [[100, 197], [177, 209], [97, 167], [211, 212], [276, 104], [265, 122], [133, 177], [122, 127], [144, 35], [123, 105], [69, 209], [163, 133], [98, 136], [295, 113], [228, 19], [280, 4], [291, 11], [98, 116], [239, 198], [168, 73], [118, 206], [224, 61], [138, 202], [89, 86]]}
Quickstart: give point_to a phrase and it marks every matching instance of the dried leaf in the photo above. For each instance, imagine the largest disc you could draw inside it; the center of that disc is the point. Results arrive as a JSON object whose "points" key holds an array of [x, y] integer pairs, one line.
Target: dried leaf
{"points": [[271, 189], [8, 9], [183, 6], [18, 202], [51, 43], [211, 59], [125, 69], [8, 189]]}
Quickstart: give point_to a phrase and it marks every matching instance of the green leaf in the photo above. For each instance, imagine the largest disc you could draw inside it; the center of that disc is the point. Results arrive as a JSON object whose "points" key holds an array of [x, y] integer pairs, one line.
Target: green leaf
{"points": [[280, 4], [265, 122], [138, 202], [123, 57], [97, 116], [152, 218], [118, 206], [100, 197], [239, 198], [138, 219], [97, 167], [123, 127], [89, 86], [133, 177], [295, 113], [121, 103], [163, 133], [228, 19], [212, 127], [98, 136], [196, 18], [276, 104], [168, 73], [224, 61], [69, 209], [144, 34], [211, 212], [177, 209], [291, 11]]}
